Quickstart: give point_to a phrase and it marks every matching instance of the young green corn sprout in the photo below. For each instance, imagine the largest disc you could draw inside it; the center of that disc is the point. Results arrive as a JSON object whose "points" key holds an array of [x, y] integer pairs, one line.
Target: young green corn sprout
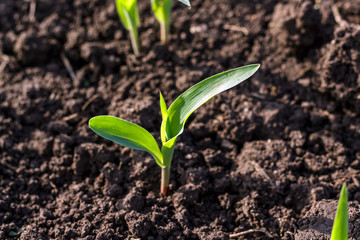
{"points": [[129, 15], [340, 228], [162, 11], [173, 119]]}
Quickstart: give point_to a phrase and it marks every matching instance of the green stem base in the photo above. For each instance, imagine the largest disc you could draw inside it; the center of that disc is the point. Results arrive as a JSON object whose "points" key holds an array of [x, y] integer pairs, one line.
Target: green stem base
{"points": [[135, 41], [165, 178], [164, 32]]}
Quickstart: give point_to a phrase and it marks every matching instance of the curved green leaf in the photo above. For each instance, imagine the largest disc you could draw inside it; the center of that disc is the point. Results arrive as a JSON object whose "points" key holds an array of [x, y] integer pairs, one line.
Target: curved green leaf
{"points": [[197, 95], [127, 134], [340, 228]]}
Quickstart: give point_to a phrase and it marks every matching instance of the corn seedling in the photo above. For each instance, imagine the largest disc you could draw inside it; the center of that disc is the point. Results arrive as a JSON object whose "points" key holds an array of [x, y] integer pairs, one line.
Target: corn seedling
{"points": [[173, 119], [129, 15], [340, 228], [162, 11]]}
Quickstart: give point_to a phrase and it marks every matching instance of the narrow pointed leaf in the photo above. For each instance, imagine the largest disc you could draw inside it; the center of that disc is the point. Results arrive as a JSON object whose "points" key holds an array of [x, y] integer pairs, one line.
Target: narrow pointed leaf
{"points": [[340, 228], [163, 106], [163, 132], [186, 2], [197, 95], [127, 134], [164, 117]]}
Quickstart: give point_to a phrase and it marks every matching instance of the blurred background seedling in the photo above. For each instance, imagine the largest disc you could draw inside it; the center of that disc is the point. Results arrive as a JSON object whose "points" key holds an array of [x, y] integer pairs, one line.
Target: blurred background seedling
{"points": [[162, 11], [129, 15]]}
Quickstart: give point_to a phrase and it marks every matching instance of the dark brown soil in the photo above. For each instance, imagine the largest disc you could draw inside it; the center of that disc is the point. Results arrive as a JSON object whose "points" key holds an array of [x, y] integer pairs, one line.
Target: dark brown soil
{"points": [[318, 221], [268, 154]]}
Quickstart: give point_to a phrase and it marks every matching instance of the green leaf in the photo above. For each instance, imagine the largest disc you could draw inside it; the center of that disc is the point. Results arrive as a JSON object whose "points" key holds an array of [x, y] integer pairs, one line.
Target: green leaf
{"points": [[162, 10], [167, 151], [186, 2], [197, 95], [15, 234], [127, 134], [128, 13], [340, 228], [163, 106], [164, 117]]}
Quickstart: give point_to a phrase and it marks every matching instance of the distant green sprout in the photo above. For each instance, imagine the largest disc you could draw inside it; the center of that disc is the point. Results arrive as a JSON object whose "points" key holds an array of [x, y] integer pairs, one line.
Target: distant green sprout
{"points": [[186, 2], [162, 11], [17, 233], [173, 119], [129, 15], [340, 228]]}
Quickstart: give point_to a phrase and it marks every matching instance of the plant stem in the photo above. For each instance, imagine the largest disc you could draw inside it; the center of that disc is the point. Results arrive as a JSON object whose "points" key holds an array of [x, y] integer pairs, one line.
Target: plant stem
{"points": [[164, 32], [135, 41], [165, 177]]}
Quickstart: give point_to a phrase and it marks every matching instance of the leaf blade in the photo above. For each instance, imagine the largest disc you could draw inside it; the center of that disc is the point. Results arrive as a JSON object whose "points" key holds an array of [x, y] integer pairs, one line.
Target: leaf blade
{"points": [[340, 228], [128, 13], [127, 134], [158, 9], [163, 106], [168, 150], [186, 2], [164, 118], [197, 95]]}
